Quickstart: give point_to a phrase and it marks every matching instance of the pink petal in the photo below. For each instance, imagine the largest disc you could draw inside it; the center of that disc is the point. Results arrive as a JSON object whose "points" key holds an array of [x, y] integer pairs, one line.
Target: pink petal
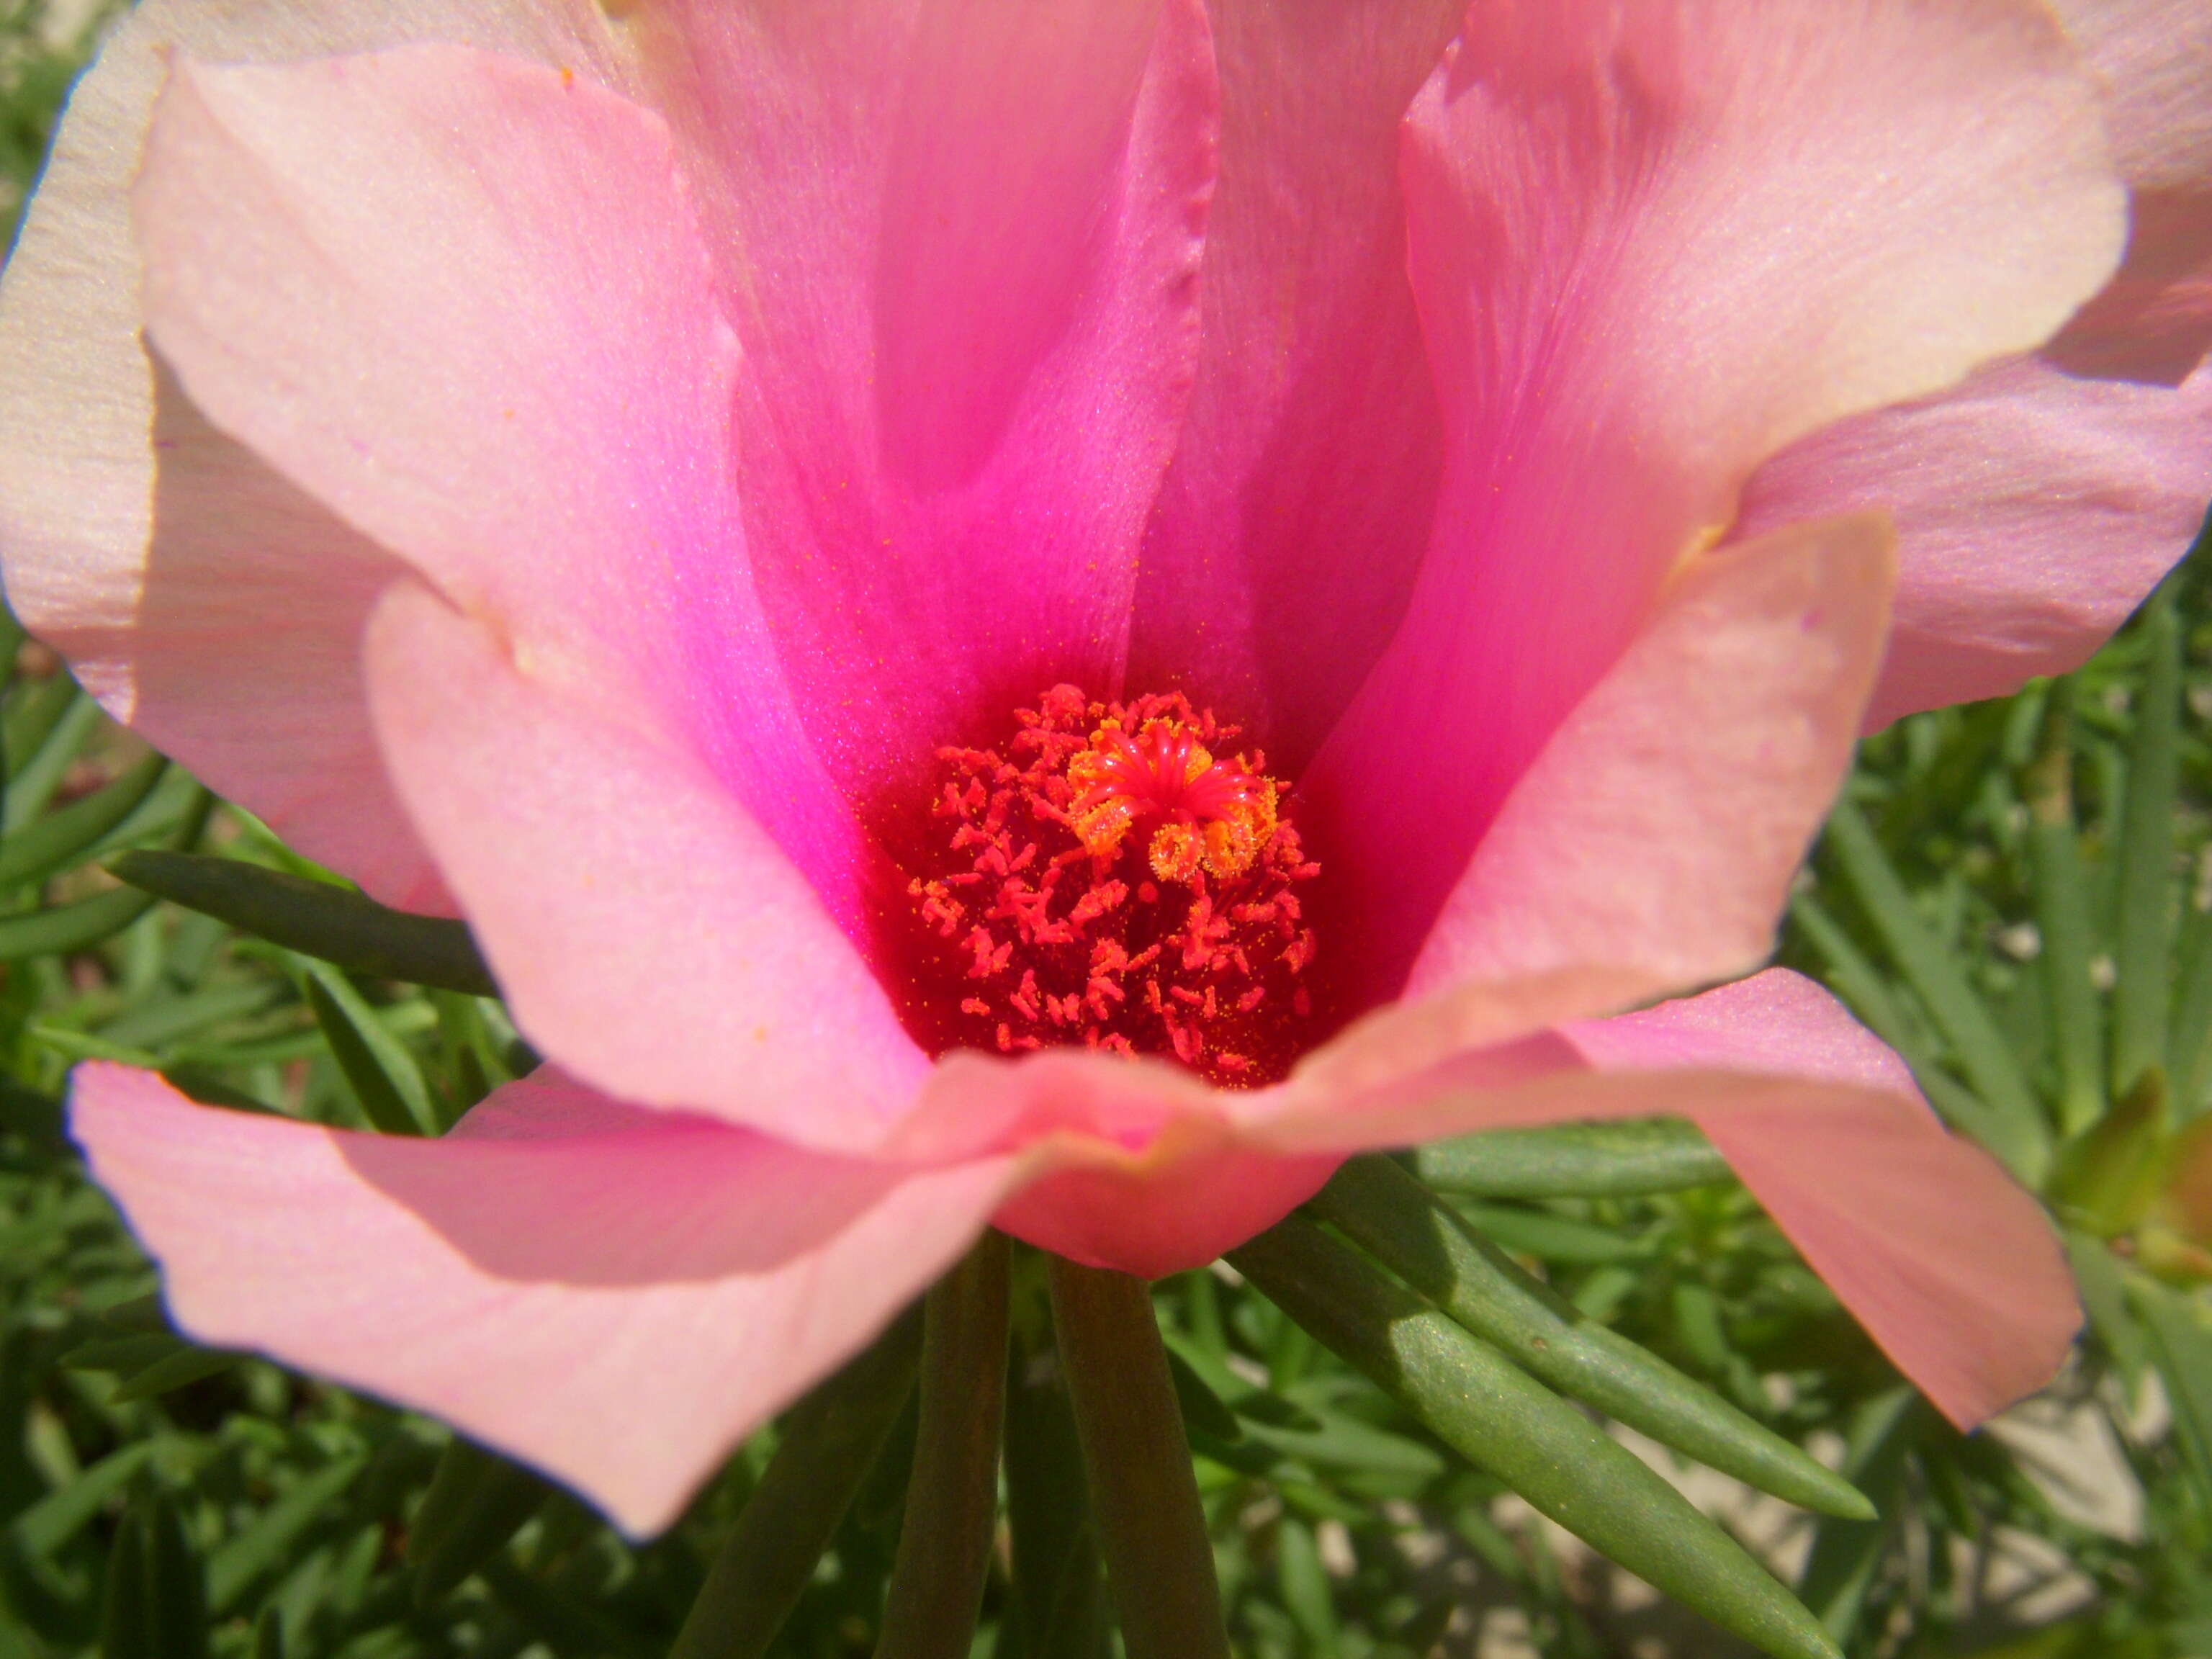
{"points": [[614, 1296], [1132, 1165], [1651, 843], [2033, 510], [1279, 555], [2153, 323], [116, 577], [1951, 1268], [649, 935], [1664, 821], [960, 242], [1652, 245], [2155, 57], [461, 300], [242, 655]]}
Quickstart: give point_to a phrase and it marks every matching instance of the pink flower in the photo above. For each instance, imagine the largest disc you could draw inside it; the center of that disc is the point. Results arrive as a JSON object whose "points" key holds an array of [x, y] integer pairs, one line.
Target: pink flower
{"points": [[609, 479]]}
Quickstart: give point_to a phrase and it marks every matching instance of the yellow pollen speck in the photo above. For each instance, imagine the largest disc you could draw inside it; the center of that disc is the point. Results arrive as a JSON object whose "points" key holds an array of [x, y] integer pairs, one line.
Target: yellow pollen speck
{"points": [[1176, 851]]}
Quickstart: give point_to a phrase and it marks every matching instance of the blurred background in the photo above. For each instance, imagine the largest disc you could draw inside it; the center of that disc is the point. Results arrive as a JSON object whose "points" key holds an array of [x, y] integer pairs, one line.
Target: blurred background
{"points": [[2013, 894]]}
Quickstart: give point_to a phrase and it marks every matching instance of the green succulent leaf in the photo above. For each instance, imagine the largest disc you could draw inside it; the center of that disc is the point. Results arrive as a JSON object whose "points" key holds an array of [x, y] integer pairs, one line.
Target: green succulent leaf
{"points": [[1502, 1421], [2015, 1129], [1574, 1160], [477, 1500], [2143, 983], [830, 1441], [332, 924], [1395, 1220], [40, 848]]}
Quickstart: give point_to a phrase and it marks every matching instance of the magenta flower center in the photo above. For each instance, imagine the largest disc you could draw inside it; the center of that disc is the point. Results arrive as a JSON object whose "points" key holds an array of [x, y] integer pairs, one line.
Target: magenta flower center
{"points": [[1107, 879]]}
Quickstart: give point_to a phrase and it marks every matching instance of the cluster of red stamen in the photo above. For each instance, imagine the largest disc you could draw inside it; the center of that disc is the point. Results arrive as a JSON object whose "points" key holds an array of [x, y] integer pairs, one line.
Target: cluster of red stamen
{"points": [[1061, 927]]}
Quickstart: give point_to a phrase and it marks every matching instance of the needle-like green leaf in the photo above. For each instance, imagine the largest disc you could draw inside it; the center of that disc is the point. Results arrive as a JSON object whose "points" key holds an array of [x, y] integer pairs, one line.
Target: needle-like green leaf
{"points": [[477, 1501], [1574, 1160], [332, 924], [1390, 1215], [952, 1499], [2062, 915], [1159, 1562], [1058, 1606], [383, 1075], [2014, 1131], [40, 848], [1503, 1420], [33, 782], [830, 1441], [2192, 1019], [2144, 984]]}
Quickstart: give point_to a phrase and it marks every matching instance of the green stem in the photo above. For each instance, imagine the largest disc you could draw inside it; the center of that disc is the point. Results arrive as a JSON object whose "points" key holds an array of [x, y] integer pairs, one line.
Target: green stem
{"points": [[953, 1499], [1059, 1602], [1159, 1561], [830, 1441]]}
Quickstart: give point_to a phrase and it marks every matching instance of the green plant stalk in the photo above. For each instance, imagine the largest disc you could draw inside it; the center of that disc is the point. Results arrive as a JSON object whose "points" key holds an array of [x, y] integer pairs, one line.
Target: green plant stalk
{"points": [[943, 1557], [1058, 1606], [32, 783], [38, 849], [2192, 1021], [1393, 1217], [2062, 912], [2142, 987], [477, 1501], [32, 715], [2016, 1133], [830, 1441], [331, 924], [1574, 1160], [1159, 1561], [376, 1066], [1845, 1553], [1502, 1421], [67, 928]]}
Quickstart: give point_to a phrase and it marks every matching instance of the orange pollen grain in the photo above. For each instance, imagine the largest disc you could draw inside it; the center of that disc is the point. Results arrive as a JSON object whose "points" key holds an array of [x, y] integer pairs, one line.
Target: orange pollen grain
{"points": [[1107, 879]]}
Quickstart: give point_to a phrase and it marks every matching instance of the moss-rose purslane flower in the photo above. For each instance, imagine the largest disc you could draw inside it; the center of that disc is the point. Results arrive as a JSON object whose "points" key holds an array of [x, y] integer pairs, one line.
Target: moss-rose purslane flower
{"points": [[1062, 612]]}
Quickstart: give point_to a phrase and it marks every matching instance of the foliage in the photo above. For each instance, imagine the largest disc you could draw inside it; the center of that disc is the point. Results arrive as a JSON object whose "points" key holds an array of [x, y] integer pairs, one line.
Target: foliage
{"points": [[2014, 895]]}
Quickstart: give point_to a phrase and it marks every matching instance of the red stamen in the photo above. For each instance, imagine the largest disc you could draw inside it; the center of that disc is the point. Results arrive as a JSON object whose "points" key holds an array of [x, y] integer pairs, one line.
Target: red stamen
{"points": [[1031, 897]]}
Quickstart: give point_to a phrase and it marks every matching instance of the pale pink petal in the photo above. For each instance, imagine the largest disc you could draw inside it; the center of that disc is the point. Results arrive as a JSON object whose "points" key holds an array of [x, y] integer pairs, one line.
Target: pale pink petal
{"points": [[1652, 245], [1949, 1266], [2153, 323], [616, 1297], [1665, 819], [1651, 843], [242, 654], [461, 300], [1280, 553], [960, 241], [649, 935], [1952, 1267], [2034, 510], [117, 576], [2155, 57]]}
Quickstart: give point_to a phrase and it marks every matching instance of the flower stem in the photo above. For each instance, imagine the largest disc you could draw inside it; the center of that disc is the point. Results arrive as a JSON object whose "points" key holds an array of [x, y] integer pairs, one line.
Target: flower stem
{"points": [[1058, 1608], [952, 1499], [830, 1441], [1159, 1561]]}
